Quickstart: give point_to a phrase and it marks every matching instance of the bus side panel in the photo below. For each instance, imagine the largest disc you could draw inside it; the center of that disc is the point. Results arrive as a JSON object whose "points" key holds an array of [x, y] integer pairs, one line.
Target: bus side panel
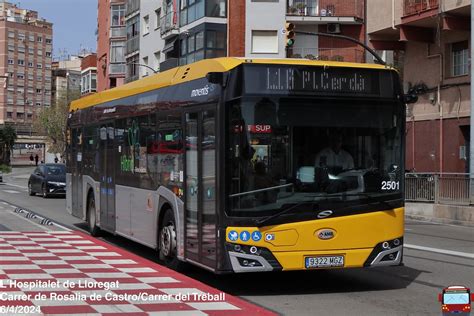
{"points": [[122, 210], [136, 214], [143, 215], [138, 210]]}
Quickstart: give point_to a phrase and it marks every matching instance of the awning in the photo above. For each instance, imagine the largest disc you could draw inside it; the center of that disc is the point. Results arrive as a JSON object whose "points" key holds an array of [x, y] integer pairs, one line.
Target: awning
{"points": [[170, 46]]}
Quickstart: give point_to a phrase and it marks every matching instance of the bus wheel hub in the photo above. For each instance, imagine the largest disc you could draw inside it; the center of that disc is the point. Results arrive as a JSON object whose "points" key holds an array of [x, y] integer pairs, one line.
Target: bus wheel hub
{"points": [[168, 240]]}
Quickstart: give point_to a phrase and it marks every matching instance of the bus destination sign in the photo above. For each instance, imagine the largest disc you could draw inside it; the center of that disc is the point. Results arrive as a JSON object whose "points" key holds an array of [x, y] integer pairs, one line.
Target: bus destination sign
{"points": [[311, 80]]}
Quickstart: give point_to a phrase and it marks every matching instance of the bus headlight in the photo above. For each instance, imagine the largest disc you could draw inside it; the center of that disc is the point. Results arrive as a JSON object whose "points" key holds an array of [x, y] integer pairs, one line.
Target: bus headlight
{"points": [[386, 253], [246, 258]]}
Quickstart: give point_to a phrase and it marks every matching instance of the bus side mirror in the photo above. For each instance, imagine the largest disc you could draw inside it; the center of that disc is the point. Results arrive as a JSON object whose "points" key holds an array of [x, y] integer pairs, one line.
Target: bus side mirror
{"points": [[217, 78], [440, 298]]}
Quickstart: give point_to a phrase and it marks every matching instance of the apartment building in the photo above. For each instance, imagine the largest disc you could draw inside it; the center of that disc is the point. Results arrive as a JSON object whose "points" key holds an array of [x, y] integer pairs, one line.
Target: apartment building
{"points": [[25, 69], [111, 39], [164, 34], [66, 80], [89, 74], [151, 43], [255, 28], [430, 41], [132, 47]]}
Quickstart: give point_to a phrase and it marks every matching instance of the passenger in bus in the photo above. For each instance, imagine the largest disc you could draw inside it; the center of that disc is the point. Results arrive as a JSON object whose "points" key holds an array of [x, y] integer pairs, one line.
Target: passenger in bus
{"points": [[263, 180], [334, 158]]}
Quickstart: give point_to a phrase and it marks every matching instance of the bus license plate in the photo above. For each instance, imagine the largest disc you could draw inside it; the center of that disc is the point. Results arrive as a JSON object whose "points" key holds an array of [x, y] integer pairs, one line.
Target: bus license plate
{"points": [[324, 262]]}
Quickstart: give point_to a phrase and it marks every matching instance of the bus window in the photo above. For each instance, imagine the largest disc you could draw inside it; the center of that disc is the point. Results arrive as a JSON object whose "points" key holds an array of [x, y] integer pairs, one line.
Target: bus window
{"points": [[168, 149], [136, 163]]}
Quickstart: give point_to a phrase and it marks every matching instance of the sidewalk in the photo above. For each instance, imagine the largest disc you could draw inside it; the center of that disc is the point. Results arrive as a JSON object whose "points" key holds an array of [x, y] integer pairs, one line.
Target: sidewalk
{"points": [[71, 273]]}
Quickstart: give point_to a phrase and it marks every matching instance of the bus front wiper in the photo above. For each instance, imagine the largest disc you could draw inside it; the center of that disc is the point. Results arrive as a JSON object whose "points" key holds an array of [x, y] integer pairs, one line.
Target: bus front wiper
{"points": [[261, 222], [370, 198]]}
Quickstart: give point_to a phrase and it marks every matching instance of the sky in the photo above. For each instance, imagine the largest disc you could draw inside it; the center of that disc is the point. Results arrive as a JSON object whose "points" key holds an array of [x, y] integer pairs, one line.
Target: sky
{"points": [[74, 23]]}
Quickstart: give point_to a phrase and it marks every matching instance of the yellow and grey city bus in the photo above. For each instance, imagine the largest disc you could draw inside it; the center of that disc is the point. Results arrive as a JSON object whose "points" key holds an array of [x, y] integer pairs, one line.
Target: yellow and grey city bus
{"points": [[246, 165]]}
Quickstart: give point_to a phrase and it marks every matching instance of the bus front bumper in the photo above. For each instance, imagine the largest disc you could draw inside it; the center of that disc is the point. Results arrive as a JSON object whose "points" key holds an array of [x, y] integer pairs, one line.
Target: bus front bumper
{"points": [[244, 258]]}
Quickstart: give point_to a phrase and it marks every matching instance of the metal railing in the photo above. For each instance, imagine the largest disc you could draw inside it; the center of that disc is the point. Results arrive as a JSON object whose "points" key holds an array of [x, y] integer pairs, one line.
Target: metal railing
{"points": [[133, 45], [348, 8], [168, 22], [444, 188], [336, 54], [117, 32], [117, 69], [417, 6]]}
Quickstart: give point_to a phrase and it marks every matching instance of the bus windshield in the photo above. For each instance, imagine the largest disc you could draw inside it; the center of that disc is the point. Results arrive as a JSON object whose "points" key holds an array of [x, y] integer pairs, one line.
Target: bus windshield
{"points": [[456, 298], [319, 153]]}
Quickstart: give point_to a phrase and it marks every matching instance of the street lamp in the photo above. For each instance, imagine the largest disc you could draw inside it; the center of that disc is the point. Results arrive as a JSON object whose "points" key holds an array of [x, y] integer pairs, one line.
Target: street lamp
{"points": [[146, 66]]}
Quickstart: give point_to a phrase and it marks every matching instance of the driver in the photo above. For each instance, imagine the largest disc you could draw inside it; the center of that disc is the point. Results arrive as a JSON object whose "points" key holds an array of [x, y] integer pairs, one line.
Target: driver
{"points": [[334, 156]]}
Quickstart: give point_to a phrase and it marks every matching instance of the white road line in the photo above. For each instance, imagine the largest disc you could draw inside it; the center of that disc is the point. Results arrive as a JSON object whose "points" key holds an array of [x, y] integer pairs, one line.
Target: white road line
{"points": [[15, 185], [11, 191], [442, 251], [43, 228]]}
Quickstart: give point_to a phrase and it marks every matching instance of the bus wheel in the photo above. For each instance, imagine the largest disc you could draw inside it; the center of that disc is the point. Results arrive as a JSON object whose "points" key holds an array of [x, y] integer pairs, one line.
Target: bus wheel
{"points": [[30, 189], [167, 242], [91, 216]]}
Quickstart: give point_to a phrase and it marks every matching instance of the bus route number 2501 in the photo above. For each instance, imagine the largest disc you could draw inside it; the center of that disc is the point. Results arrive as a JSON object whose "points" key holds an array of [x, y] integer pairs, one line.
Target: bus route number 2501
{"points": [[390, 185]]}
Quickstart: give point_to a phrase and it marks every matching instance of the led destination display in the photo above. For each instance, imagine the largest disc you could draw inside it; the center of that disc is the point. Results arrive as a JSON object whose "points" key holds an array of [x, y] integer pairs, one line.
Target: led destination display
{"points": [[277, 79]]}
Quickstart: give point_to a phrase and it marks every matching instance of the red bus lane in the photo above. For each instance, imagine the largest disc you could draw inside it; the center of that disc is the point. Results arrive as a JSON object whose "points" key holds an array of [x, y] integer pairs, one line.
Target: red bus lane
{"points": [[68, 272]]}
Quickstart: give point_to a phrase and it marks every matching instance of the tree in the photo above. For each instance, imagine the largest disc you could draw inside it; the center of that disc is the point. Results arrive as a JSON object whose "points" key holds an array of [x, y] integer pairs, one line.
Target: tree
{"points": [[51, 121], [7, 139]]}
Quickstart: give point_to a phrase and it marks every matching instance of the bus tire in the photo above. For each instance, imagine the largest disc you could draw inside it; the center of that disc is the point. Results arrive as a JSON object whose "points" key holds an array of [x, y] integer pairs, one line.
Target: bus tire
{"points": [[167, 242], [91, 216]]}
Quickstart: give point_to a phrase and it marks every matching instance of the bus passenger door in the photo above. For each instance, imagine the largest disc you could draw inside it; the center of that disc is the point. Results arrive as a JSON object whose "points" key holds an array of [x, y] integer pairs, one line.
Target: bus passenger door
{"points": [[200, 202], [107, 177]]}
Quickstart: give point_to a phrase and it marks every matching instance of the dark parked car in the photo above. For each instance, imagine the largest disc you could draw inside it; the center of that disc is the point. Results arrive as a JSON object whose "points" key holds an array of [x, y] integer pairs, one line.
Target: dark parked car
{"points": [[48, 179]]}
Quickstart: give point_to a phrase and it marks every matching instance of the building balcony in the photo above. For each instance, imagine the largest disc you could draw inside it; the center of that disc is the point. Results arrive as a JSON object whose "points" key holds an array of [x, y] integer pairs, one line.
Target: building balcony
{"points": [[117, 69], [411, 7], [118, 32], [131, 78], [169, 25], [325, 10], [133, 45], [331, 54], [132, 7]]}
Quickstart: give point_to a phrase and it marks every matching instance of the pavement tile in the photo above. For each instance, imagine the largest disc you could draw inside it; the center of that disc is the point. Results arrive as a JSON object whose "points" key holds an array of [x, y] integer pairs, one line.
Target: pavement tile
{"points": [[135, 286]]}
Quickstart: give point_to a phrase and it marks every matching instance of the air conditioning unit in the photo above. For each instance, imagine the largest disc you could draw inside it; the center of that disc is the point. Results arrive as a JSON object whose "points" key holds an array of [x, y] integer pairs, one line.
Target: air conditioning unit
{"points": [[334, 28]]}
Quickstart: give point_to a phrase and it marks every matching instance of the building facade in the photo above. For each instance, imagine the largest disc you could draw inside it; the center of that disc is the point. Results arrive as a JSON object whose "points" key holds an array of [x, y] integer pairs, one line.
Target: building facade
{"points": [[132, 47], [164, 34], [111, 39], [66, 83], [430, 41], [151, 43], [25, 66], [256, 28], [89, 74]]}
